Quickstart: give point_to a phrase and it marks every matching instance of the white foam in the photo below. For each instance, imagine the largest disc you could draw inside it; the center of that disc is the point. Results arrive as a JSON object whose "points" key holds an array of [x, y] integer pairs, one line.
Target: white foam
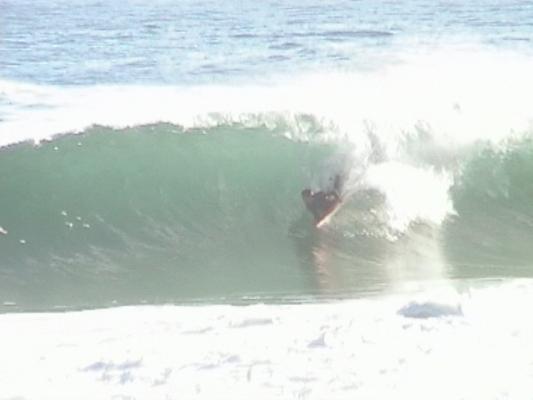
{"points": [[468, 346], [412, 194], [459, 96]]}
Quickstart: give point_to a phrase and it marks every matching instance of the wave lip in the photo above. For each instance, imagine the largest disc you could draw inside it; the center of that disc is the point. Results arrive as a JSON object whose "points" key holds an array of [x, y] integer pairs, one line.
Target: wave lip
{"points": [[440, 93]]}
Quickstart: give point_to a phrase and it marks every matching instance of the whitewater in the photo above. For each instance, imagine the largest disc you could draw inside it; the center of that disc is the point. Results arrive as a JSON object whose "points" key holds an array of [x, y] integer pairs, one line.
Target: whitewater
{"points": [[153, 240], [464, 346]]}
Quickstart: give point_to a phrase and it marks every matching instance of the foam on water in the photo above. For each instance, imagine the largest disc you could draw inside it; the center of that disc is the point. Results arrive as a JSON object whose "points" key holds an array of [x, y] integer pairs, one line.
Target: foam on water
{"points": [[418, 346], [459, 96], [411, 193]]}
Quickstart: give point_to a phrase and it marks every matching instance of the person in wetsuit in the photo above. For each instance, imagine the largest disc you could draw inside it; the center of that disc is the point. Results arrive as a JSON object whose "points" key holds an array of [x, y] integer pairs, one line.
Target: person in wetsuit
{"points": [[322, 203]]}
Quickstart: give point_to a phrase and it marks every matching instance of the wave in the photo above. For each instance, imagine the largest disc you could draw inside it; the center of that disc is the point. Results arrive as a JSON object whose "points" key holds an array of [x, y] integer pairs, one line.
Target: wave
{"points": [[156, 213], [168, 193], [343, 34], [492, 197]]}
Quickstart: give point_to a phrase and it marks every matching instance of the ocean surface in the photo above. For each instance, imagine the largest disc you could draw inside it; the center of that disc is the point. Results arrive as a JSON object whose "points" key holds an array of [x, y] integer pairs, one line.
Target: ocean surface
{"points": [[153, 241]]}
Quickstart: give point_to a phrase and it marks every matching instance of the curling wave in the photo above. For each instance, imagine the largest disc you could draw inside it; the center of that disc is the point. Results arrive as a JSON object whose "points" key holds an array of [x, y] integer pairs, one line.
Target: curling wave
{"points": [[168, 194]]}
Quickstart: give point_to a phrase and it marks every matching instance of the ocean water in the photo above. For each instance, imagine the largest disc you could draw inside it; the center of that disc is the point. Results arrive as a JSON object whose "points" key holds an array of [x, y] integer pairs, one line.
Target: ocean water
{"points": [[153, 241]]}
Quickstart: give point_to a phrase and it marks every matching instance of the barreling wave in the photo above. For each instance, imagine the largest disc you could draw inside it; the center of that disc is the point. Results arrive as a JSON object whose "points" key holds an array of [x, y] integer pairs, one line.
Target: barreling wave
{"points": [[155, 213], [207, 203]]}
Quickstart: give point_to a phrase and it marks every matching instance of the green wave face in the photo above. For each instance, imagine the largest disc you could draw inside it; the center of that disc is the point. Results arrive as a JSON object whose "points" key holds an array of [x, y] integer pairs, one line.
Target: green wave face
{"points": [[156, 214], [493, 230]]}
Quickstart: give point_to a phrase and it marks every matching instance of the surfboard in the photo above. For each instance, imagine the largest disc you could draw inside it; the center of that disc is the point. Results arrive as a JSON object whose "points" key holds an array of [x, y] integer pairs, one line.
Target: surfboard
{"points": [[326, 217]]}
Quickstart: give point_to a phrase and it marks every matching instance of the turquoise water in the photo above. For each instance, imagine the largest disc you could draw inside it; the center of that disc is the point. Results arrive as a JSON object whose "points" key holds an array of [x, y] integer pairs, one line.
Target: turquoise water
{"points": [[154, 152], [153, 215]]}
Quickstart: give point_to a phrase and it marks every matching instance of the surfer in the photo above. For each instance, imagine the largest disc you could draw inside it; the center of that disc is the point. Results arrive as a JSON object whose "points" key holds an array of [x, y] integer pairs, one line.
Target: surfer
{"points": [[322, 204]]}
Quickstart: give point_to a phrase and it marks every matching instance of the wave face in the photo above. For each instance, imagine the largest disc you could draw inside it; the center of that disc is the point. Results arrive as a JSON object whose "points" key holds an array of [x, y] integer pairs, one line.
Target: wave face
{"points": [[157, 214], [149, 213], [495, 214]]}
